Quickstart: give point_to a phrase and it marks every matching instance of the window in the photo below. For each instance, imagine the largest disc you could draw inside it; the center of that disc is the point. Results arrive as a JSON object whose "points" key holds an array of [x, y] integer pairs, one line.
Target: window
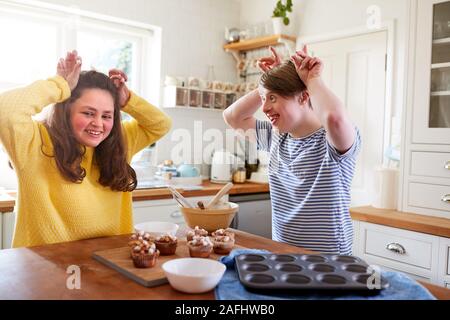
{"points": [[43, 33]]}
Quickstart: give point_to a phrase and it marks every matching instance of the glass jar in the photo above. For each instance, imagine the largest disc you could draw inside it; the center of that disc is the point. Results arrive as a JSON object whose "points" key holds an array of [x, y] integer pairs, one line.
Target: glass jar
{"points": [[239, 175]]}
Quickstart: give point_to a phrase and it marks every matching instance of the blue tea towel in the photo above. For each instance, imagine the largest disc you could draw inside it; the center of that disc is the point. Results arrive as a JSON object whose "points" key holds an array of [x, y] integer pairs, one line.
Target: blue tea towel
{"points": [[401, 287]]}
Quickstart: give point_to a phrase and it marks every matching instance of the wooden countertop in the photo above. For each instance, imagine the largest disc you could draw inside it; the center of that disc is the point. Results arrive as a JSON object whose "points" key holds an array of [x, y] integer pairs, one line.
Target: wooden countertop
{"points": [[40, 272], [209, 189], [403, 220], [7, 201]]}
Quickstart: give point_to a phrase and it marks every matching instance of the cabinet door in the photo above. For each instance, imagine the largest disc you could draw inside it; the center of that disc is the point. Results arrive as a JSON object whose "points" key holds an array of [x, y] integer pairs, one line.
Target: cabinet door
{"points": [[431, 99], [444, 262], [8, 222], [1, 230], [167, 211]]}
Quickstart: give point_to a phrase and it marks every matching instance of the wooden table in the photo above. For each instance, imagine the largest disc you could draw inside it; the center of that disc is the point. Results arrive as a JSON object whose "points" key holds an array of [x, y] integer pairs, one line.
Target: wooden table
{"points": [[40, 272]]}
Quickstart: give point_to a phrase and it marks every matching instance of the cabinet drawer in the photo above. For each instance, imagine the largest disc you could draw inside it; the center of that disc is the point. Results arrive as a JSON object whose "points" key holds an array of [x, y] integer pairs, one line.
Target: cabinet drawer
{"points": [[418, 248], [428, 196], [430, 164], [158, 213]]}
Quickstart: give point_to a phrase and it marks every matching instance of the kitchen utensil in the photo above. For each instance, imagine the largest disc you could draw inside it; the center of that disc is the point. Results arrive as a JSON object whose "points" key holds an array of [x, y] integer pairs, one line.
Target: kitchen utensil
{"points": [[219, 195], [157, 228], [177, 200], [201, 205], [307, 272], [182, 200], [193, 275], [210, 219]]}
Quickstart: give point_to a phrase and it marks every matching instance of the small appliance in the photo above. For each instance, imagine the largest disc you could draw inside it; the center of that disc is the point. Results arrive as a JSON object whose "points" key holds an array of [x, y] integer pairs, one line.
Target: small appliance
{"points": [[222, 166]]}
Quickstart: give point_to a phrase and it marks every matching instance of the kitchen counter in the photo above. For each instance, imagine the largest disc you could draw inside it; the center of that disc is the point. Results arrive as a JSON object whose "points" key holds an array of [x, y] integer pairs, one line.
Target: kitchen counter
{"points": [[7, 201], [40, 272], [403, 220]]}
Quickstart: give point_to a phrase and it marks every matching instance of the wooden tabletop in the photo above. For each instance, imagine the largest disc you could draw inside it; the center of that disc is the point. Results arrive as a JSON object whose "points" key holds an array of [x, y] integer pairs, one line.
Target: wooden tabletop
{"points": [[7, 200], [40, 272]]}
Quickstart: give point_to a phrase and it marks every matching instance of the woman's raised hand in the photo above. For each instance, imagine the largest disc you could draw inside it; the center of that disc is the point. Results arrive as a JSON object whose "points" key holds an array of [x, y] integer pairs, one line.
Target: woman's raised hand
{"points": [[119, 78], [308, 68], [268, 63], [69, 68]]}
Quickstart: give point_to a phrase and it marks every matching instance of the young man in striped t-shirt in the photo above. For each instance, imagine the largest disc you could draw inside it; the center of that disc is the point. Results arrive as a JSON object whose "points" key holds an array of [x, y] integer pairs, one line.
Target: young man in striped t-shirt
{"points": [[313, 147]]}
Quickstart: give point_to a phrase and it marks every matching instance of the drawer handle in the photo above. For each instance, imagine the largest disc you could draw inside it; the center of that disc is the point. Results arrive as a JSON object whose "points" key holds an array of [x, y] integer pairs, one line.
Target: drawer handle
{"points": [[176, 214], [447, 165], [396, 247], [446, 198]]}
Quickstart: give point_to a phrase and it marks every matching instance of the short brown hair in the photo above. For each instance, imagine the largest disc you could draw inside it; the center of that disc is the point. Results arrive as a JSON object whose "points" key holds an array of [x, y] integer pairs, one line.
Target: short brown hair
{"points": [[283, 80]]}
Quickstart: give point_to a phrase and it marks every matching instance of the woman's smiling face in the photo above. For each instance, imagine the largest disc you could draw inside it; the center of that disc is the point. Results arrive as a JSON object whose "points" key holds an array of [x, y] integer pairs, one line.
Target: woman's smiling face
{"points": [[92, 117], [285, 114]]}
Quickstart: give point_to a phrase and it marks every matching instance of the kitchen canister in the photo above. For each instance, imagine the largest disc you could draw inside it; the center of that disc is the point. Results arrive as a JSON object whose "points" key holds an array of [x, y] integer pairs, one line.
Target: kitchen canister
{"points": [[385, 188]]}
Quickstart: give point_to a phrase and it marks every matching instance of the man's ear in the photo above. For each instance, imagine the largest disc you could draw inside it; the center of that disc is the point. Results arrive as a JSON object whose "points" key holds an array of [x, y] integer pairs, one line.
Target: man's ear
{"points": [[303, 98]]}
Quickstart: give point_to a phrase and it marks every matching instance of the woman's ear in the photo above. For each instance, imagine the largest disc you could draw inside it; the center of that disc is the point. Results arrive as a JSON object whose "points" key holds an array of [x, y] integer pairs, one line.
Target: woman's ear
{"points": [[303, 98]]}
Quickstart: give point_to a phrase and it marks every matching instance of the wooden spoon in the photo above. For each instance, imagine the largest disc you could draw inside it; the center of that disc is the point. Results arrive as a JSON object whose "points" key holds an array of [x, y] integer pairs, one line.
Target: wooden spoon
{"points": [[219, 195]]}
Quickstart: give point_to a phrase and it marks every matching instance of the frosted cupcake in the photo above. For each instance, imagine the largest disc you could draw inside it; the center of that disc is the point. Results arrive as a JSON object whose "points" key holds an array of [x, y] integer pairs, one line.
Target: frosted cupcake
{"points": [[222, 233], [144, 254], [200, 247], [197, 231], [223, 244], [166, 244]]}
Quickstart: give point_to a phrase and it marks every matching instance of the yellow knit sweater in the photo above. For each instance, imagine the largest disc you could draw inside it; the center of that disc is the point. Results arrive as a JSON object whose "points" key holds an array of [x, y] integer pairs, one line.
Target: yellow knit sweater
{"points": [[49, 208]]}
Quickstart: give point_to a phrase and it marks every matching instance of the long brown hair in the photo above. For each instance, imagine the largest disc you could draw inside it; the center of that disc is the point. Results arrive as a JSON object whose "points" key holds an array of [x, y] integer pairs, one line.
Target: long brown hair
{"points": [[283, 80], [110, 155]]}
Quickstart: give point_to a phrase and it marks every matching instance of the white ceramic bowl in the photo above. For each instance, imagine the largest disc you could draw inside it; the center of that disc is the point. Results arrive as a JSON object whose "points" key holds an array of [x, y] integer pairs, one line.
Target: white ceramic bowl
{"points": [[193, 275], [157, 228]]}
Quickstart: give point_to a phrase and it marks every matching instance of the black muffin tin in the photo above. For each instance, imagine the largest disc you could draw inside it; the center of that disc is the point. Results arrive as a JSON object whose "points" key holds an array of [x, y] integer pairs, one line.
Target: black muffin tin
{"points": [[304, 272]]}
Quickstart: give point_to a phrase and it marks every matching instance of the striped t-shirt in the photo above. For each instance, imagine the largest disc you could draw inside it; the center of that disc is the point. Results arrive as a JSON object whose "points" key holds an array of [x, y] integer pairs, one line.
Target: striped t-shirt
{"points": [[310, 183]]}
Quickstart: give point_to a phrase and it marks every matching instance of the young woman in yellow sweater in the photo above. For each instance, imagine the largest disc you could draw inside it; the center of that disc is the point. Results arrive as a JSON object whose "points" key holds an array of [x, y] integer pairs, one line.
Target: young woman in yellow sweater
{"points": [[73, 167]]}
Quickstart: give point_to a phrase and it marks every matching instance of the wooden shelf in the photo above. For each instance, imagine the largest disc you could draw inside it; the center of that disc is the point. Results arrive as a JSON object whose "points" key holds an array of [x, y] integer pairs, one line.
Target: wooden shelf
{"points": [[260, 42]]}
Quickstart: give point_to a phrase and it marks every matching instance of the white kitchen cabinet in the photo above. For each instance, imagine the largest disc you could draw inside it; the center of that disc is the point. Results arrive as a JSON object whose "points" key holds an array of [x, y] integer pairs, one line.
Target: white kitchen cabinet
{"points": [[444, 262], [431, 102], [426, 157], [1, 230], [413, 253], [355, 248], [163, 210], [7, 229]]}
